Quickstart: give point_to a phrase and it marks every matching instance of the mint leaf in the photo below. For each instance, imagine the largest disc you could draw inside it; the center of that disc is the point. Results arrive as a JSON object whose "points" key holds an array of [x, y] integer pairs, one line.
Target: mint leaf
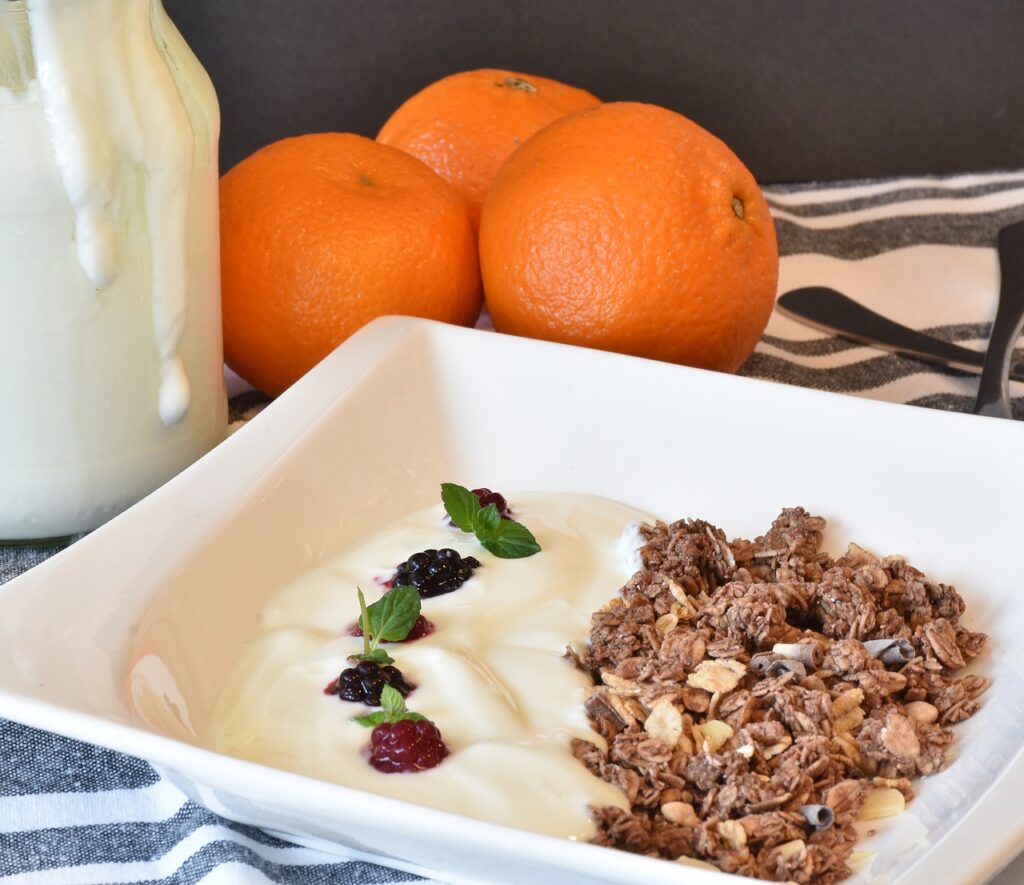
{"points": [[390, 618], [393, 615], [392, 703], [511, 540], [505, 538], [371, 720], [460, 504], [374, 656], [370, 639], [486, 523], [393, 709]]}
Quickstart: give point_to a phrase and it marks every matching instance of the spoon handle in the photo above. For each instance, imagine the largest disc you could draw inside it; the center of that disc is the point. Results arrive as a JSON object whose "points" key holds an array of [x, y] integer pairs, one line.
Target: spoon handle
{"points": [[994, 387], [835, 313]]}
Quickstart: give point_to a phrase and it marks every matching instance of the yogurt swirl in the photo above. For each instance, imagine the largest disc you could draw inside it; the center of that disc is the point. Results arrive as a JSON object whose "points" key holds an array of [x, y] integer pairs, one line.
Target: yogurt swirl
{"points": [[492, 676]]}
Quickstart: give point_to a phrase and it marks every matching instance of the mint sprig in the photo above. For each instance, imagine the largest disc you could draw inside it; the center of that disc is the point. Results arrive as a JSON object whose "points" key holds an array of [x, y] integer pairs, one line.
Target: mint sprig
{"points": [[393, 615], [505, 538], [460, 504], [511, 540], [392, 709], [389, 619]]}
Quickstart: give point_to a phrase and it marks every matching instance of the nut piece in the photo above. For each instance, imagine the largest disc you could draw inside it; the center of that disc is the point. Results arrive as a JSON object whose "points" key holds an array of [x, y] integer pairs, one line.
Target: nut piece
{"points": [[699, 864], [717, 676], [856, 860], [899, 738], [732, 834], [665, 722], [715, 733], [687, 611], [794, 846], [882, 802], [848, 711], [848, 700], [922, 711], [846, 723], [680, 813]]}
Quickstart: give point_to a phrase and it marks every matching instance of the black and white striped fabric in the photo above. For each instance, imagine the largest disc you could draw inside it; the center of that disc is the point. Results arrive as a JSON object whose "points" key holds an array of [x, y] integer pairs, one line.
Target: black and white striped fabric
{"points": [[918, 250]]}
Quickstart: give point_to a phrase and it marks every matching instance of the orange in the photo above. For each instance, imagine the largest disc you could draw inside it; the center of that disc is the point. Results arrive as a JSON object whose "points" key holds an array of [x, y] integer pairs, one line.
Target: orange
{"points": [[465, 126], [321, 234], [630, 228]]}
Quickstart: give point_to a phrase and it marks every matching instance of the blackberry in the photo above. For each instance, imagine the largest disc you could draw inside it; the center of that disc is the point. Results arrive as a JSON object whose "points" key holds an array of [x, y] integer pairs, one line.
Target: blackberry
{"points": [[406, 746], [486, 496], [364, 682], [433, 572]]}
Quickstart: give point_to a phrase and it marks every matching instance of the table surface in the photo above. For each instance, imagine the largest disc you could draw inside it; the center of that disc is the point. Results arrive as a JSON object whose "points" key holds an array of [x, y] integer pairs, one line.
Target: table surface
{"points": [[918, 250]]}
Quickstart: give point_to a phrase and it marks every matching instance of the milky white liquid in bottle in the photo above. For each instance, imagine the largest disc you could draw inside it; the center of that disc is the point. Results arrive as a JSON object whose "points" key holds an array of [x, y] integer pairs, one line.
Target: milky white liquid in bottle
{"points": [[110, 339]]}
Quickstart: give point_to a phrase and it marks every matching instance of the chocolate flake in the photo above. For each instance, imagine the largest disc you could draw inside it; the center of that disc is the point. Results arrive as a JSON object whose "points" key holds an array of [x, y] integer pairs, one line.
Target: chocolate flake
{"points": [[821, 817], [893, 652]]}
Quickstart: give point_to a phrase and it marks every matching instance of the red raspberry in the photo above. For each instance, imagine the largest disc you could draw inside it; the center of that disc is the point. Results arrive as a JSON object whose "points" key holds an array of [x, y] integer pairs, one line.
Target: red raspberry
{"points": [[407, 745], [486, 496]]}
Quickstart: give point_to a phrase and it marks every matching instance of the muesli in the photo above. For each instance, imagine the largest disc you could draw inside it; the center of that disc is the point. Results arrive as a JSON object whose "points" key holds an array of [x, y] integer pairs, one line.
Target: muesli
{"points": [[757, 698]]}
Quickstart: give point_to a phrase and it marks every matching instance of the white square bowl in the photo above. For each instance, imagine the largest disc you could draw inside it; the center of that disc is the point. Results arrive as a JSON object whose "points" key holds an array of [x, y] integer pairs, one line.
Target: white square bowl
{"points": [[170, 590]]}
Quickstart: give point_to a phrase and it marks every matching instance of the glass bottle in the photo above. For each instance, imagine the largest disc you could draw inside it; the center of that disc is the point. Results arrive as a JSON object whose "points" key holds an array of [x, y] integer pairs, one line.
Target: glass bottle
{"points": [[111, 375]]}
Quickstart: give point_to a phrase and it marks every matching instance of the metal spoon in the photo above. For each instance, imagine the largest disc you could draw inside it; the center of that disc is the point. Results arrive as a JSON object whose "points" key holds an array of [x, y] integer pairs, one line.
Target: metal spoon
{"points": [[994, 388], [835, 313]]}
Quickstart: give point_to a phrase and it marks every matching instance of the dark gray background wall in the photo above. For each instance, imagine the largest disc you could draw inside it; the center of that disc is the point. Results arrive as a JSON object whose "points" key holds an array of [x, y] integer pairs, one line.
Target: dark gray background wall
{"points": [[800, 89]]}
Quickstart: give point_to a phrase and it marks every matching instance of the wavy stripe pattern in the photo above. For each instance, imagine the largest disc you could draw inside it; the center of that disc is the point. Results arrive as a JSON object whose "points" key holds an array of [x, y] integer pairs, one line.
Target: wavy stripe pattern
{"points": [[113, 820], [954, 333], [71, 813], [911, 193], [866, 238]]}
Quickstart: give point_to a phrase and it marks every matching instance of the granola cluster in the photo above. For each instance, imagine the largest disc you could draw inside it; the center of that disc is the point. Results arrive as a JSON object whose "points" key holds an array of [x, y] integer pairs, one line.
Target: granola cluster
{"points": [[757, 697]]}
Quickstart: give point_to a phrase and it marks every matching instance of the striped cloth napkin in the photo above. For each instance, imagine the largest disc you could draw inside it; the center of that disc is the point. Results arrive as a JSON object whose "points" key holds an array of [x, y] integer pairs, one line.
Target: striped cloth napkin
{"points": [[918, 250]]}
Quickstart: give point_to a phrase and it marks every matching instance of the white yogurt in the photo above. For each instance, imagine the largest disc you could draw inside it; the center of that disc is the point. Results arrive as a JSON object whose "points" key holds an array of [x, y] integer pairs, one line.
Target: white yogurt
{"points": [[110, 353], [492, 676]]}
